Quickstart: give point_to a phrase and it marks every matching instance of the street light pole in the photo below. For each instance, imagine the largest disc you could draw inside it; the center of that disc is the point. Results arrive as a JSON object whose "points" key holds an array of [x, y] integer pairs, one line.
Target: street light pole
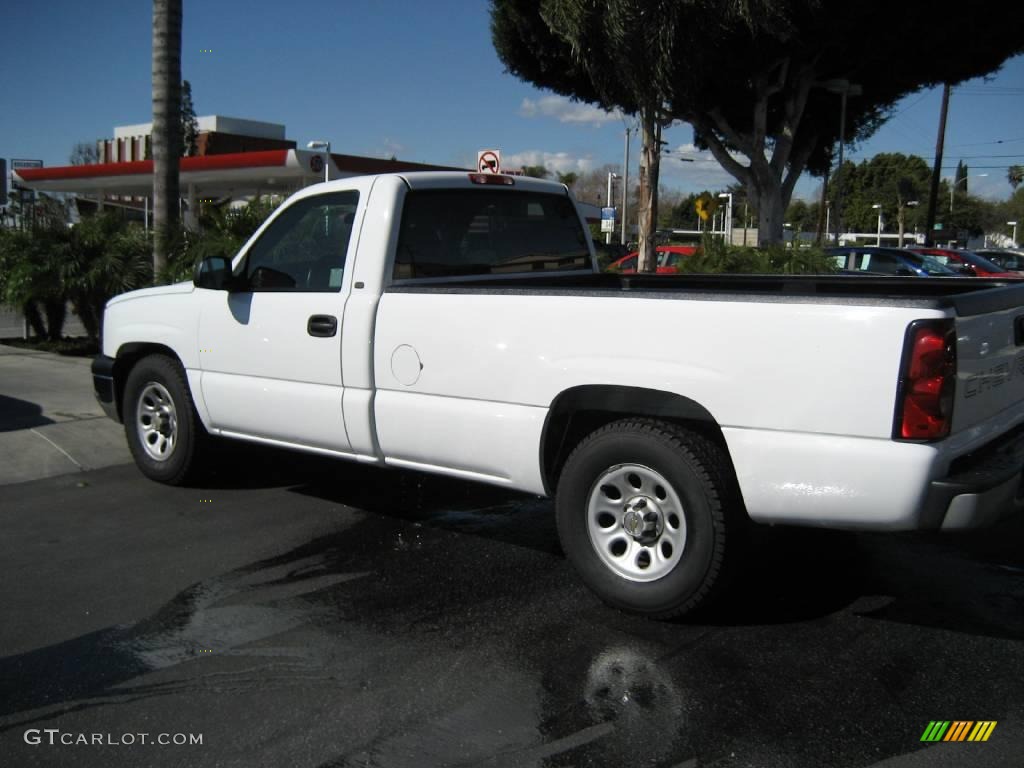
{"points": [[956, 183], [902, 216], [608, 234], [326, 147], [878, 206], [727, 224], [1014, 225], [844, 88]]}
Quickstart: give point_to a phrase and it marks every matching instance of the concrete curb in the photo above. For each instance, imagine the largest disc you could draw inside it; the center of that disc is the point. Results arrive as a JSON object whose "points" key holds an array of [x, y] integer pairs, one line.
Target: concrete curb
{"points": [[50, 422]]}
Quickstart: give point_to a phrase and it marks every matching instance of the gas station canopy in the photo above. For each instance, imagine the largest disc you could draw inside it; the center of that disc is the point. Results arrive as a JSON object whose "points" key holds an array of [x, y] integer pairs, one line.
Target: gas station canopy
{"points": [[238, 174]]}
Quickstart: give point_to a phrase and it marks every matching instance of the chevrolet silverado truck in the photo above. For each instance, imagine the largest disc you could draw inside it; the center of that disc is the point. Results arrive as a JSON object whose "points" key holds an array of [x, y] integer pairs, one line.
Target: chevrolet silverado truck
{"points": [[456, 323]]}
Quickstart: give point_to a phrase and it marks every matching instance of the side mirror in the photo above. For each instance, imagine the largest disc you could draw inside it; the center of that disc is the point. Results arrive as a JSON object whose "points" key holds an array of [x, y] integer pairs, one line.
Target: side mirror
{"points": [[213, 273]]}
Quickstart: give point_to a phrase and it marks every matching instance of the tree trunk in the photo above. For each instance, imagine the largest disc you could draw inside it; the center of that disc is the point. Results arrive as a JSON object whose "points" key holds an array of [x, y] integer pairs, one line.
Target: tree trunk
{"points": [[769, 191], [34, 318], [770, 214], [56, 311], [85, 308], [769, 181], [166, 127], [650, 166]]}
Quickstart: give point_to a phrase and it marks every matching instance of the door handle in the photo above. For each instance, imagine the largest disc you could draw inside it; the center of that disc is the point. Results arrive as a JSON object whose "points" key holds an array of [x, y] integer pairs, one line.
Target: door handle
{"points": [[323, 326]]}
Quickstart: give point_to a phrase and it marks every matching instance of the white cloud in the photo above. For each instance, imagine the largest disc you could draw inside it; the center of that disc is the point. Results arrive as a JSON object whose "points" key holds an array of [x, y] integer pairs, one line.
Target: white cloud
{"points": [[991, 187], [556, 162], [389, 148], [567, 111]]}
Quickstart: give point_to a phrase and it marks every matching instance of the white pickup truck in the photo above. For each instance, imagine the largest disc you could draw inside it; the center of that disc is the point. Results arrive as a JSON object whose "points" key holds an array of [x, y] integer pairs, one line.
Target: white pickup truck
{"points": [[456, 323]]}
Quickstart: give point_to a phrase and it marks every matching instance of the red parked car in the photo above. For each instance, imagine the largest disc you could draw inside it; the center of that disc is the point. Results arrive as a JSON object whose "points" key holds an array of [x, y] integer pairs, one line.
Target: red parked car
{"points": [[668, 259], [968, 262]]}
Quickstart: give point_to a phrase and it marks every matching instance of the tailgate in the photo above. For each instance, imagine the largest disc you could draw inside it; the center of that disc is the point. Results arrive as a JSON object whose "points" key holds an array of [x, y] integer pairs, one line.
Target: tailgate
{"points": [[990, 365]]}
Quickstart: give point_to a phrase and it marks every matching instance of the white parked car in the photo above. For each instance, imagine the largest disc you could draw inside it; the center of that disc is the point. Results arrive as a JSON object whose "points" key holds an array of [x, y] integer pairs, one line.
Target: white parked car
{"points": [[456, 323]]}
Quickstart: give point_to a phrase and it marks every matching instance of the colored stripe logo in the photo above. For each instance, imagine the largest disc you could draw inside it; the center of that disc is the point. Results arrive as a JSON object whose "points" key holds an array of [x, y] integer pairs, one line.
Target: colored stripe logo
{"points": [[959, 730]]}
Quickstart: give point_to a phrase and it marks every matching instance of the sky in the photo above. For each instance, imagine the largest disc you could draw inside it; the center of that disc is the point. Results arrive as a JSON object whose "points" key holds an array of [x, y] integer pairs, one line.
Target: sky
{"points": [[418, 80]]}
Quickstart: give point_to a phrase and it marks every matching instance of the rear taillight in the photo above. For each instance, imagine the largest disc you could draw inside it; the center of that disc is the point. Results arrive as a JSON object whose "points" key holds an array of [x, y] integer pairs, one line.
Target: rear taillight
{"points": [[924, 405]]}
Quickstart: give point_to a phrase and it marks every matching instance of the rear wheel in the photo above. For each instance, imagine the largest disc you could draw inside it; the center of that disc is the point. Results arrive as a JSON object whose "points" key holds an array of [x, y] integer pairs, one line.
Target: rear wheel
{"points": [[160, 421], [645, 509]]}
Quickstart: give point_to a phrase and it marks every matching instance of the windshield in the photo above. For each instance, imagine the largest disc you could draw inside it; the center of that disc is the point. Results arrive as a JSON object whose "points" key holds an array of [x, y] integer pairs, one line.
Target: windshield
{"points": [[976, 260], [931, 265]]}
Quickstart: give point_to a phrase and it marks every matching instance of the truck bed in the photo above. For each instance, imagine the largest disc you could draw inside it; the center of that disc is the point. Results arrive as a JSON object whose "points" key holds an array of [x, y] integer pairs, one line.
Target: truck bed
{"points": [[966, 295]]}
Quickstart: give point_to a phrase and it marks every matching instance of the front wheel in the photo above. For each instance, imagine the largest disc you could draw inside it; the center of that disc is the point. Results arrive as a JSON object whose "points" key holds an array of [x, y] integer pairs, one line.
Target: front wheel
{"points": [[644, 511], [160, 422]]}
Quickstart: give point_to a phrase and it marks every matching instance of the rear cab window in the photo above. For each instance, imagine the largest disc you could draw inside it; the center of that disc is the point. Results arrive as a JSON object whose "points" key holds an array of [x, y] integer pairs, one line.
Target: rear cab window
{"points": [[449, 233]]}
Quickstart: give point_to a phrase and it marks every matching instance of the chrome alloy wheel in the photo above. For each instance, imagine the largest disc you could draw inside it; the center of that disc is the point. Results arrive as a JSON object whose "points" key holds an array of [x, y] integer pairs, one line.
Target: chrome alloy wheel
{"points": [[636, 523], [156, 421]]}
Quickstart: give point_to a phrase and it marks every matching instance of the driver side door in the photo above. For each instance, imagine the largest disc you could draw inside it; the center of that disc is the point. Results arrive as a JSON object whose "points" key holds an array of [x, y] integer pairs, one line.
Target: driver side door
{"points": [[270, 348]]}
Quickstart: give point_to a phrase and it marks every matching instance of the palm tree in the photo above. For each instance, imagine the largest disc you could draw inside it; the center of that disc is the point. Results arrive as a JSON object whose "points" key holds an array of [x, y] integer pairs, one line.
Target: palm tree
{"points": [[1015, 175], [166, 127]]}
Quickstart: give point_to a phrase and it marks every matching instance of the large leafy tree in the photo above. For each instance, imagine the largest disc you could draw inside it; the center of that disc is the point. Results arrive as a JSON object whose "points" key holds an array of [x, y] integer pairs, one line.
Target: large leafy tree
{"points": [[84, 153], [1015, 175], [189, 122], [167, 140], [620, 54], [536, 171], [892, 180], [757, 79]]}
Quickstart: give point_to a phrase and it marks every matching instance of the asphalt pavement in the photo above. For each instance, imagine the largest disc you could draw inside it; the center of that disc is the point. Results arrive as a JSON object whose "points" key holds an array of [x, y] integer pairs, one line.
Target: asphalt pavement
{"points": [[303, 612]]}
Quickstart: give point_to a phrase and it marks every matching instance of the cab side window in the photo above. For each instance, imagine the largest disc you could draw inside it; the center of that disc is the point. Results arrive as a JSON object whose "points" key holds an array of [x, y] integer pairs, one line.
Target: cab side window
{"points": [[304, 249]]}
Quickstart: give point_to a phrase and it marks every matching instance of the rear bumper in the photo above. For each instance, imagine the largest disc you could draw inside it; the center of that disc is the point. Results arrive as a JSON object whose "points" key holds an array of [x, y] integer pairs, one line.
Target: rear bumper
{"points": [[103, 385], [834, 481], [981, 488]]}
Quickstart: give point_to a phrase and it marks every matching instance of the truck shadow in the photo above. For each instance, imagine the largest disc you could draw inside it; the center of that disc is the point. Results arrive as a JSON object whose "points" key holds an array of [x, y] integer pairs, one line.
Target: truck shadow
{"points": [[970, 583]]}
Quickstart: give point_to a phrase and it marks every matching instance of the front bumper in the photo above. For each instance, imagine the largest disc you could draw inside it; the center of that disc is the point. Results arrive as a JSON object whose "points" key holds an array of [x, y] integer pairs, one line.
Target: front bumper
{"points": [[103, 385], [982, 487]]}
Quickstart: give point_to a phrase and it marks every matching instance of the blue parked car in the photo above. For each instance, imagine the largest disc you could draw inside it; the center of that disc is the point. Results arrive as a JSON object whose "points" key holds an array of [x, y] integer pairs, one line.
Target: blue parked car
{"points": [[872, 260]]}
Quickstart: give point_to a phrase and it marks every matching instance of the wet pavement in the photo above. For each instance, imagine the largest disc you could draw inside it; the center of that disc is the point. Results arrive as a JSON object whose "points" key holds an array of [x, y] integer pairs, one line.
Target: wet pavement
{"points": [[299, 612]]}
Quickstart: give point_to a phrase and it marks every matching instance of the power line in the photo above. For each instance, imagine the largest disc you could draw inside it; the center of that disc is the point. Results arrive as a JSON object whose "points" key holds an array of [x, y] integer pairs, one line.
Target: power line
{"points": [[989, 88], [981, 157], [973, 167], [914, 103], [986, 143]]}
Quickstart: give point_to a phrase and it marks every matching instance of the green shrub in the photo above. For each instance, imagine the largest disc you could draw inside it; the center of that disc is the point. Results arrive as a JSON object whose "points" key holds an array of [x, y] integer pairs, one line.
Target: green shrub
{"points": [[107, 257], [223, 232], [715, 257], [30, 264]]}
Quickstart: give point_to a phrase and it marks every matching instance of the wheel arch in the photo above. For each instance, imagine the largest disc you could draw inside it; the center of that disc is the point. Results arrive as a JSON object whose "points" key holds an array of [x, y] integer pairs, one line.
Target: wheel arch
{"points": [[578, 411], [128, 355]]}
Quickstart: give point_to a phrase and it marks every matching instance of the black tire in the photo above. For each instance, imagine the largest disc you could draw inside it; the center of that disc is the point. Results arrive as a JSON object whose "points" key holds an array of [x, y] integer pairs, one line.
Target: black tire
{"points": [[689, 484], [157, 386]]}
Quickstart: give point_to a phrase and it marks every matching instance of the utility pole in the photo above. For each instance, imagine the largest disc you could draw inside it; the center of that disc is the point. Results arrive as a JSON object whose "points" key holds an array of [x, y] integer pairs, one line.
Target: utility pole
{"points": [[821, 232], [933, 191], [625, 187]]}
